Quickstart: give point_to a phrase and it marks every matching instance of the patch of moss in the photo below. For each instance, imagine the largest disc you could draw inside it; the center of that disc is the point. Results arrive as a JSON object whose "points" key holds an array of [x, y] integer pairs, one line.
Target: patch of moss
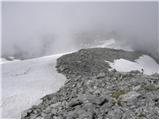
{"points": [[114, 102], [119, 103], [118, 93]]}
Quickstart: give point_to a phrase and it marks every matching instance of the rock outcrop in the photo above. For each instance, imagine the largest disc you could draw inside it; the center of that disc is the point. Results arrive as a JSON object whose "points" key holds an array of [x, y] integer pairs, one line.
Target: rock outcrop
{"points": [[92, 91]]}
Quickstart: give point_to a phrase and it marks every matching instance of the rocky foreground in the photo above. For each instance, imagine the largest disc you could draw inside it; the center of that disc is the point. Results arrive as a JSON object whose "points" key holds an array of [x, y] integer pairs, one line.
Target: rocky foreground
{"points": [[93, 91]]}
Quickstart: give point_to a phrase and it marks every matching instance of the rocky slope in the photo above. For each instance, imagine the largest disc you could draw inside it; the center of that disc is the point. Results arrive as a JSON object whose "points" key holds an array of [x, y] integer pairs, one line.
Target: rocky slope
{"points": [[93, 91]]}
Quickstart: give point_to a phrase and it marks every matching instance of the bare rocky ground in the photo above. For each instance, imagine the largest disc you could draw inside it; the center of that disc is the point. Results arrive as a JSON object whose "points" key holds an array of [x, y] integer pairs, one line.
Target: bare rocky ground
{"points": [[92, 91]]}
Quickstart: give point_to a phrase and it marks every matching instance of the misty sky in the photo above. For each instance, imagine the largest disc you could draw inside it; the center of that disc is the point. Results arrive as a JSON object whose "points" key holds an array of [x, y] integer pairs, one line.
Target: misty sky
{"points": [[39, 28]]}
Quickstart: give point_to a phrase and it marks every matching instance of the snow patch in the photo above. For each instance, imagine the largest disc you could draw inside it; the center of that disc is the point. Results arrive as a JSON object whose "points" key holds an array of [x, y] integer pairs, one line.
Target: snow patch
{"points": [[107, 43], [11, 59], [25, 82], [114, 44], [145, 62]]}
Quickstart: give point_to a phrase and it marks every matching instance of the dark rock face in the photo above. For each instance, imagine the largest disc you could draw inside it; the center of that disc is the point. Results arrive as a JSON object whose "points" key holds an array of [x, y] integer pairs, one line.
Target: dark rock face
{"points": [[92, 91]]}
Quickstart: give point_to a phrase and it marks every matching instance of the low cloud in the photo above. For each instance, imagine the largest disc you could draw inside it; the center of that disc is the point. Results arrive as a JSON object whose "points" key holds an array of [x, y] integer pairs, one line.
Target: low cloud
{"points": [[34, 29]]}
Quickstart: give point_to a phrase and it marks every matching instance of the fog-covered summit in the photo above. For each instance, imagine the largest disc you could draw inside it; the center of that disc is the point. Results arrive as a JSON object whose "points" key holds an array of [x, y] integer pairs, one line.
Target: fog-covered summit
{"points": [[34, 29]]}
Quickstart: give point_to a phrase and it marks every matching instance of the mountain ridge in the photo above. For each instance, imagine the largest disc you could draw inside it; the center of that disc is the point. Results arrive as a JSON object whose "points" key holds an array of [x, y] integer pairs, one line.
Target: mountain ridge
{"points": [[94, 91]]}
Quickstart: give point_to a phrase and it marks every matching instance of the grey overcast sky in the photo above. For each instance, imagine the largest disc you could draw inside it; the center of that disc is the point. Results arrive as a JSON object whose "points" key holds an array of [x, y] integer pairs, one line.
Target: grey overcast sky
{"points": [[25, 25]]}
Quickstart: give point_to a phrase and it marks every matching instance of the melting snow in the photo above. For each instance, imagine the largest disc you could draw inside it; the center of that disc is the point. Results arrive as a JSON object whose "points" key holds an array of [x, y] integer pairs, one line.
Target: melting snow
{"points": [[145, 62]]}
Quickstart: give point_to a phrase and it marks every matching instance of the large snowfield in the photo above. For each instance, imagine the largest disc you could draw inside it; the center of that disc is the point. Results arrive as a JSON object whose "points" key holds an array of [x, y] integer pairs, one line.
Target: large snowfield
{"points": [[25, 82]]}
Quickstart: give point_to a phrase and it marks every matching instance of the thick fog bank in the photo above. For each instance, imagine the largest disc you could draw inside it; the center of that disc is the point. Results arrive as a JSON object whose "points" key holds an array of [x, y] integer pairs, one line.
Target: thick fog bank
{"points": [[34, 29]]}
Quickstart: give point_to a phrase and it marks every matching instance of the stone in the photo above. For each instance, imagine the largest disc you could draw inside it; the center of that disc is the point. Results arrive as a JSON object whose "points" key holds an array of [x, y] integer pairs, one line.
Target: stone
{"points": [[99, 100], [48, 109], [53, 111], [130, 96], [72, 115], [74, 103], [116, 113], [100, 75], [26, 113], [55, 104], [136, 88], [34, 116]]}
